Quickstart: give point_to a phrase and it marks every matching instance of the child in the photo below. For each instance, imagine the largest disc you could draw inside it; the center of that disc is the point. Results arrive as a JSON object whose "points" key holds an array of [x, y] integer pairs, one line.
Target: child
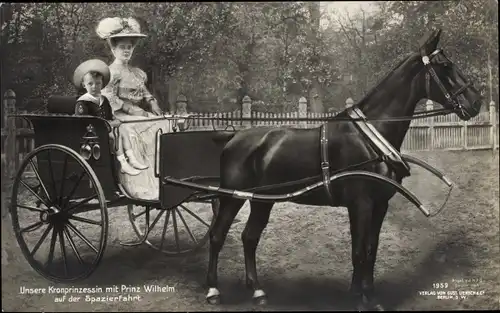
{"points": [[93, 76]]}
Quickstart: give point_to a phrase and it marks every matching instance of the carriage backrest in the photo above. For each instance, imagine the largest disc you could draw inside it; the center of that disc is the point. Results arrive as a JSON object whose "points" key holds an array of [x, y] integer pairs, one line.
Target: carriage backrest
{"points": [[62, 104]]}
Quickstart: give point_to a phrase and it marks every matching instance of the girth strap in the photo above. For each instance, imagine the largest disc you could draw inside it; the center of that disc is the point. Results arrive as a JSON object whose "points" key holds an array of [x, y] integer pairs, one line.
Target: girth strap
{"points": [[325, 164]]}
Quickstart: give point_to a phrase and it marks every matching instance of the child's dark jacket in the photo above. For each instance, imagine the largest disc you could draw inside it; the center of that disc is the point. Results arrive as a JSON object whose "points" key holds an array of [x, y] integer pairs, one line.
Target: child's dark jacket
{"points": [[89, 105]]}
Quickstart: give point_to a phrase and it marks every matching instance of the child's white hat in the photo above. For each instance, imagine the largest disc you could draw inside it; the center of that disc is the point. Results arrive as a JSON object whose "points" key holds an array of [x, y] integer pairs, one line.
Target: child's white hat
{"points": [[93, 65]]}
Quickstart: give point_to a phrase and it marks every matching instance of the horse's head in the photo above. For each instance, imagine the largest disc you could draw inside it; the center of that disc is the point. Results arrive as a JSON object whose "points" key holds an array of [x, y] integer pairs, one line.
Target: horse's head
{"points": [[445, 83]]}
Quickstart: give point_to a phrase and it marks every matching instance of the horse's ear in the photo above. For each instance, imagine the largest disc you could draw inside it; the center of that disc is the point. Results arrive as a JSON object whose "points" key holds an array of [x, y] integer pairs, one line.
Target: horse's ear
{"points": [[429, 42]]}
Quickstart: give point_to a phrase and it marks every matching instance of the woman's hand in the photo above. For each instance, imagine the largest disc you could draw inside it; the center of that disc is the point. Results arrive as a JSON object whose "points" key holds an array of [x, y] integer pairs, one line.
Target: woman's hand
{"points": [[115, 123], [155, 107]]}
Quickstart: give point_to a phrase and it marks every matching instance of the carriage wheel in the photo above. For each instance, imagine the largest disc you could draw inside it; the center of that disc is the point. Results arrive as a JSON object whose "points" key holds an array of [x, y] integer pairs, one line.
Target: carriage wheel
{"points": [[175, 231], [60, 240]]}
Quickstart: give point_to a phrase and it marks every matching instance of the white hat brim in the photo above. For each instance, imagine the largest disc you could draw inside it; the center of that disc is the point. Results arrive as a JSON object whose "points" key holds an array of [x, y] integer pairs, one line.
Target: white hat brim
{"points": [[95, 65], [133, 35]]}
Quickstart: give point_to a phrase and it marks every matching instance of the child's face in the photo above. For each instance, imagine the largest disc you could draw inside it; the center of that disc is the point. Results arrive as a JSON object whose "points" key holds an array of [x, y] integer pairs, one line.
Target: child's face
{"points": [[92, 84]]}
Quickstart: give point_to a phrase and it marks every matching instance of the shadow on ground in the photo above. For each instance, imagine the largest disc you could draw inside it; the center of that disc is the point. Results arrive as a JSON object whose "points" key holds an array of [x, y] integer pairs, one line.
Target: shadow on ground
{"points": [[142, 265]]}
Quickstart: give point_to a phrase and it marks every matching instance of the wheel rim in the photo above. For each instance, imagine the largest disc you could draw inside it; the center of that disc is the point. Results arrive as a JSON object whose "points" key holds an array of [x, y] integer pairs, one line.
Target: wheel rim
{"points": [[176, 231], [72, 239]]}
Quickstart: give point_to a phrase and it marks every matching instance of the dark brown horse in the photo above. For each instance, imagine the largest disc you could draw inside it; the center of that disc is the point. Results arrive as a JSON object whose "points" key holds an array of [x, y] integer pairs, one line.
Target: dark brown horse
{"points": [[264, 156]]}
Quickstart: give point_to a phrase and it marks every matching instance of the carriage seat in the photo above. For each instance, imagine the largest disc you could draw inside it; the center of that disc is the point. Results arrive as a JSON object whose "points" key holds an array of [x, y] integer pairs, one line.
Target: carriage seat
{"points": [[61, 104]]}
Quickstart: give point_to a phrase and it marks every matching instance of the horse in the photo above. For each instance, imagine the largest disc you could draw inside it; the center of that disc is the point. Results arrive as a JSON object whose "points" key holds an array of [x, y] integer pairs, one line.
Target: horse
{"points": [[268, 155]]}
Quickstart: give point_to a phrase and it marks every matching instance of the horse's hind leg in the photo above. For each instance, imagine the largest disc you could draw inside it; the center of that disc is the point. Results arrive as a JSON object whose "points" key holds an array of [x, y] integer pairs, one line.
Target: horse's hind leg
{"points": [[257, 222], [228, 210]]}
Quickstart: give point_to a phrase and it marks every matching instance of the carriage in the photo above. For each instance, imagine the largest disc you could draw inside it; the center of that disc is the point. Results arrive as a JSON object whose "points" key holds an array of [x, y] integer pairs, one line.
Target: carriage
{"points": [[75, 172]]}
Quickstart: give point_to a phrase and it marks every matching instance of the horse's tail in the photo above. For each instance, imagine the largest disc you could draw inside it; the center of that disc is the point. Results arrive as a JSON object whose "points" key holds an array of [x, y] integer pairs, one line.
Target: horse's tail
{"points": [[223, 137]]}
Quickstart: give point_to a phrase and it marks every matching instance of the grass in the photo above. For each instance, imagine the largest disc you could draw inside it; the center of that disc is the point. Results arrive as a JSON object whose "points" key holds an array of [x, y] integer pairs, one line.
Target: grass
{"points": [[304, 256]]}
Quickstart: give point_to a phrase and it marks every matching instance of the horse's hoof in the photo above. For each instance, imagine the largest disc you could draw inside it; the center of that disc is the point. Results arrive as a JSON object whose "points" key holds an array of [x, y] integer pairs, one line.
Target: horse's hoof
{"points": [[260, 301], [360, 307], [213, 300], [378, 307]]}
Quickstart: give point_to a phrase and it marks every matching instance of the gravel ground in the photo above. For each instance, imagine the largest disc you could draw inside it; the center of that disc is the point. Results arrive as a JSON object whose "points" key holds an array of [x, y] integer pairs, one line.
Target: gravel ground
{"points": [[304, 255]]}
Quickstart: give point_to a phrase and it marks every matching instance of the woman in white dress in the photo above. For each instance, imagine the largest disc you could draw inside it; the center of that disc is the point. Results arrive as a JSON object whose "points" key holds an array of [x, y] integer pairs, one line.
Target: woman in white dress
{"points": [[131, 100]]}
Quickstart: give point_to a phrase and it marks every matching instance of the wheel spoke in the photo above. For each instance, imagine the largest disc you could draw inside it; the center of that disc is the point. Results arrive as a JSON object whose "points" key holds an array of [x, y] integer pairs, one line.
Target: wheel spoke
{"points": [[40, 179], [86, 200], [174, 220], [52, 247], [82, 237], [54, 188], [75, 186], [194, 215], [73, 246], [84, 220], [29, 208], [156, 219], [139, 214], [63, 178], [39, 243], [32, 227], [63, 251], [34, 193], [185, 225], [164, 230]]}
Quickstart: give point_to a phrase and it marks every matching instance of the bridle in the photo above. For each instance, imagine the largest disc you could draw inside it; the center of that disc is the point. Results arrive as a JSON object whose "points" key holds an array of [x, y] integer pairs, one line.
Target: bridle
{"points": [[450, 98]]}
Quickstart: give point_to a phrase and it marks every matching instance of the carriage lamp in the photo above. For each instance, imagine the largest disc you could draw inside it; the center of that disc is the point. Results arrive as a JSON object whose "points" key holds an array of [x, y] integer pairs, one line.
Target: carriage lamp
{"points": [[89, 145]]}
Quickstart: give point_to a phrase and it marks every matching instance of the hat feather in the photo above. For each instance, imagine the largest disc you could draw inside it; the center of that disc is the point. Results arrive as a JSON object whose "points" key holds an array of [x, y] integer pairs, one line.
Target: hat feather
{"points": [[119, 27], [108, 26]]}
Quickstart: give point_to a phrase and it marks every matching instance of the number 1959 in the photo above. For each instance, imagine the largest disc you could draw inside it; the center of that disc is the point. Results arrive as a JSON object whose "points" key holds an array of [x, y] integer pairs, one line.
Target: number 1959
{"points": [[440, 285]]}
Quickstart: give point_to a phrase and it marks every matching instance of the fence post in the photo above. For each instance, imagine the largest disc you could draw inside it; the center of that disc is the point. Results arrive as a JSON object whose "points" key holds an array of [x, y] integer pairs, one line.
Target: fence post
{"points": [[464, 134], [493, 122], [349, 102], [9, 168], [247, 111], [429, 106], [303, 111]]}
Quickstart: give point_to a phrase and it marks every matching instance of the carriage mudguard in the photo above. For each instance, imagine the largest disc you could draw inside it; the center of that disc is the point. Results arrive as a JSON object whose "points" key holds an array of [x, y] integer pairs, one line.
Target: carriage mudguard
{"points": [[188, 156]]}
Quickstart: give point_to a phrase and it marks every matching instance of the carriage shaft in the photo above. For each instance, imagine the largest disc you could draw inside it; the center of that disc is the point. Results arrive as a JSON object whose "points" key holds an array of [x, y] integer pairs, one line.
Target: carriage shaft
{"points": [[290, 196]]}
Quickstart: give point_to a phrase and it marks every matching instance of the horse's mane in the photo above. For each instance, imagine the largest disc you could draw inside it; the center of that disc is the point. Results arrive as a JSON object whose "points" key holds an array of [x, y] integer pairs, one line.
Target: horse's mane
{"points": [[383, 80]]}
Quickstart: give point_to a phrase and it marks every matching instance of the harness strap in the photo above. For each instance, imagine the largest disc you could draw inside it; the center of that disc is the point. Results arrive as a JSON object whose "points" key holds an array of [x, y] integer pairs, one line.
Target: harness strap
{"points": [[325, 165], [389, 154]]}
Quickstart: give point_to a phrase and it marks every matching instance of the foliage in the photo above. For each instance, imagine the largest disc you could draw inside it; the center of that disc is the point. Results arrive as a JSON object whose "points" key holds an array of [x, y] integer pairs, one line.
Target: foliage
{"points": [[215, 53]]}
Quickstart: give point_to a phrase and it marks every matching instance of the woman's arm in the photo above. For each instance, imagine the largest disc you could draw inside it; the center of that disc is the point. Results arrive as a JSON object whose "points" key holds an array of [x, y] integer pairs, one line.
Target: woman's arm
{"points": [[111, 91], [148, 97]]}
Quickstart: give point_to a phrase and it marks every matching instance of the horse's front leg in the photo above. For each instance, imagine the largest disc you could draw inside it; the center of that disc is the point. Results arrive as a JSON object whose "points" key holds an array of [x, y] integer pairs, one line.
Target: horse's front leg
{"points": [[227, 211], [378, 215], [360, 214], [257, 222]]}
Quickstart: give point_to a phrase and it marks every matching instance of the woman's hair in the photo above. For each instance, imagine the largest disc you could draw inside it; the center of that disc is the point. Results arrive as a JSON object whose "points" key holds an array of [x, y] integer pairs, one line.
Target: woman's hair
{"points": [[113, 42]]}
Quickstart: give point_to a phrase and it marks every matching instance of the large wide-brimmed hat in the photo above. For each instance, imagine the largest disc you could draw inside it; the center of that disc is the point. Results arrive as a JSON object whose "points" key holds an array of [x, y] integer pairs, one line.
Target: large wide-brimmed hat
{"points": [[93, 65], [117, 27]]}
